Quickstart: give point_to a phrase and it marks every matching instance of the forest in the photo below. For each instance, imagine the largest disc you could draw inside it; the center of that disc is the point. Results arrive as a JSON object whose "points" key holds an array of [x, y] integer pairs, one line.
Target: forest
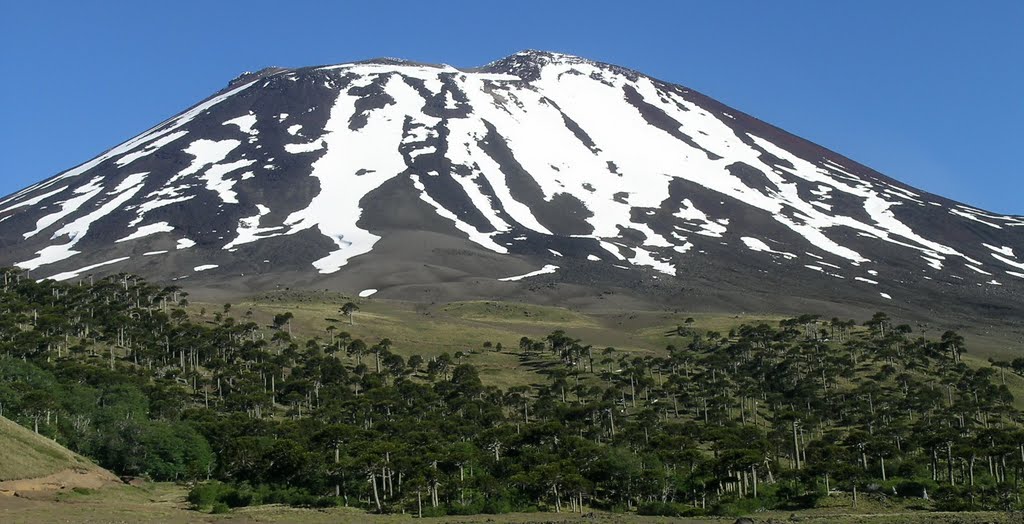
{"points": [[713, 423]]}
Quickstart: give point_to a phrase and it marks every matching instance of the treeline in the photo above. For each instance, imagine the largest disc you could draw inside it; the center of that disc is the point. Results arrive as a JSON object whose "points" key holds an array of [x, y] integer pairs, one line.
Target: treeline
{"points": [[761, 417]]}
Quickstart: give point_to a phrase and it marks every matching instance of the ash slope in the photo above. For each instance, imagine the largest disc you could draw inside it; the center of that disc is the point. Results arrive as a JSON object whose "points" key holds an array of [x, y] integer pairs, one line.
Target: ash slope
{"points": [[536, 169]]}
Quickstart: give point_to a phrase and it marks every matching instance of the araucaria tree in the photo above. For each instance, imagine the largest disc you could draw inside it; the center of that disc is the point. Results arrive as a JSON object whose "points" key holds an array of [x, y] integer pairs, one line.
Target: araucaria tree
{"points": [[767, 416]]}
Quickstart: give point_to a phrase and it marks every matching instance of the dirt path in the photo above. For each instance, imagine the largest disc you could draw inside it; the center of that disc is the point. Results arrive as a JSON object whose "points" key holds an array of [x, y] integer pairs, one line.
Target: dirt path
{"points": [[61, 481]]}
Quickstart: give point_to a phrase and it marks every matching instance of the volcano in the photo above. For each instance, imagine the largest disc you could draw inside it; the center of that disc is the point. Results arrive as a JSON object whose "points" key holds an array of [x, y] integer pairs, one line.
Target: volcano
{"points": [[538, 176]]}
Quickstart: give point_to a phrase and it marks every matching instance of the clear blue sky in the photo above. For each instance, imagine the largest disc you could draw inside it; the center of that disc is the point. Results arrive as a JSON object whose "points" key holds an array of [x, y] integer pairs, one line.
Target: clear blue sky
{"points": [[928, 92]]}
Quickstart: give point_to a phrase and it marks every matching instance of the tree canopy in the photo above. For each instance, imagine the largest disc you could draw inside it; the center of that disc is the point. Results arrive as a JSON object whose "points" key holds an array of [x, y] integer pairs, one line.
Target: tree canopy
{"points": [[768, 416]]}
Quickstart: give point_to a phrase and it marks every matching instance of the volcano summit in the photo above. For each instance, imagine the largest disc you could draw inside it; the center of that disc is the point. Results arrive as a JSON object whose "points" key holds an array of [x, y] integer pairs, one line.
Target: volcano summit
{"points": [[540, 173]]}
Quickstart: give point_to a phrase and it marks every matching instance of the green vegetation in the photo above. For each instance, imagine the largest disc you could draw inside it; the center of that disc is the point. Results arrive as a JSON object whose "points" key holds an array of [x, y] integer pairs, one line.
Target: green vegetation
{"points": [[794, 414]]}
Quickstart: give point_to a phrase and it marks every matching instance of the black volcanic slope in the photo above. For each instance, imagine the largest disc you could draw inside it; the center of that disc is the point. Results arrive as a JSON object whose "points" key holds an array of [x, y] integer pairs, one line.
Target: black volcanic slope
{"points": [[432, 182]]}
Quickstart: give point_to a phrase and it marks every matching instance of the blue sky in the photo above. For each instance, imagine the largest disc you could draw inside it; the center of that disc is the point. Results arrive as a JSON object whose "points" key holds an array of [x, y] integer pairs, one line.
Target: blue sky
{"points": [[927, 92]]}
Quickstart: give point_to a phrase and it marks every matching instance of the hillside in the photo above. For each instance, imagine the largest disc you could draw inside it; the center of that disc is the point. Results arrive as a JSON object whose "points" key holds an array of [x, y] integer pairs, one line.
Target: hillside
{"points": [[435, 328], [33, 463], [470, 408]]}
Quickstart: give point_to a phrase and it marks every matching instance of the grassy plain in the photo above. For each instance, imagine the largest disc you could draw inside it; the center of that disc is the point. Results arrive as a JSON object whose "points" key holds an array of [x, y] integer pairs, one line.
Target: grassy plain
{"points": [[164, 502], [432, 329], [429, 329]]}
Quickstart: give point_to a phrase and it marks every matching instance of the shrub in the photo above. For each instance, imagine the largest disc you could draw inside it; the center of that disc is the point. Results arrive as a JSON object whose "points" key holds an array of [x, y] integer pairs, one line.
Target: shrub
{"points": [[239, 497], [666, 509], [497, 506], [914, 487], [472, 507], [205, 494], [435, 512]]}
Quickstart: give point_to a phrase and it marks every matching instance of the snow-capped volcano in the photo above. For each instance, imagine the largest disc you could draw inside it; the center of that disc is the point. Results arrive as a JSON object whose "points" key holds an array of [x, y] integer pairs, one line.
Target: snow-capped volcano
{"points": [[540, 165]]}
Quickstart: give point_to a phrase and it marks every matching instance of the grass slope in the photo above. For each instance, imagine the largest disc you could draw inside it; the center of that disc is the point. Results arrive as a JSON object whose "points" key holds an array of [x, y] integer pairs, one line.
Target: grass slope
{"points": [[430, 329], [26, 455]]}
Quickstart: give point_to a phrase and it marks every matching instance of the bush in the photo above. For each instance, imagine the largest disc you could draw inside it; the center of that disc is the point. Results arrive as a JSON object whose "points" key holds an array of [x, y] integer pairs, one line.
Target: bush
{"points": [[497, 506], [435, 512], [205, 495], [212, 494], [913, 487], [472, 507], [741, 507], [219, 508], [328, 502], [667, 509], [953, 498], [238, 497]]}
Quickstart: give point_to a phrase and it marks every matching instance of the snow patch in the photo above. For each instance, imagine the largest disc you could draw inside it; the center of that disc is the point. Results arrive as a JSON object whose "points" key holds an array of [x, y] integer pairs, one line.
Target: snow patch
{"points": [[1007, 261], [155, 133], [973, 217], [205, 152], [85, 193], [224, 187], [34, 200], [542, 271], [245, 124], [61, 277], [78, 228], [708, 227], [373, 153], [474, 235], [249, 229], [151, 229], [315, 145], [1002, 250], [978, 270], [645, 257], [755, 244]]}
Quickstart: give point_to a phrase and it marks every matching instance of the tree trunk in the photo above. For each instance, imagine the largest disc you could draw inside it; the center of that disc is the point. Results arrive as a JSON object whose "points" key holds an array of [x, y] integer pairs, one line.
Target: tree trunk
{"points": [[949, 462], [337, 458], [376, 496], [796, 447]]}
